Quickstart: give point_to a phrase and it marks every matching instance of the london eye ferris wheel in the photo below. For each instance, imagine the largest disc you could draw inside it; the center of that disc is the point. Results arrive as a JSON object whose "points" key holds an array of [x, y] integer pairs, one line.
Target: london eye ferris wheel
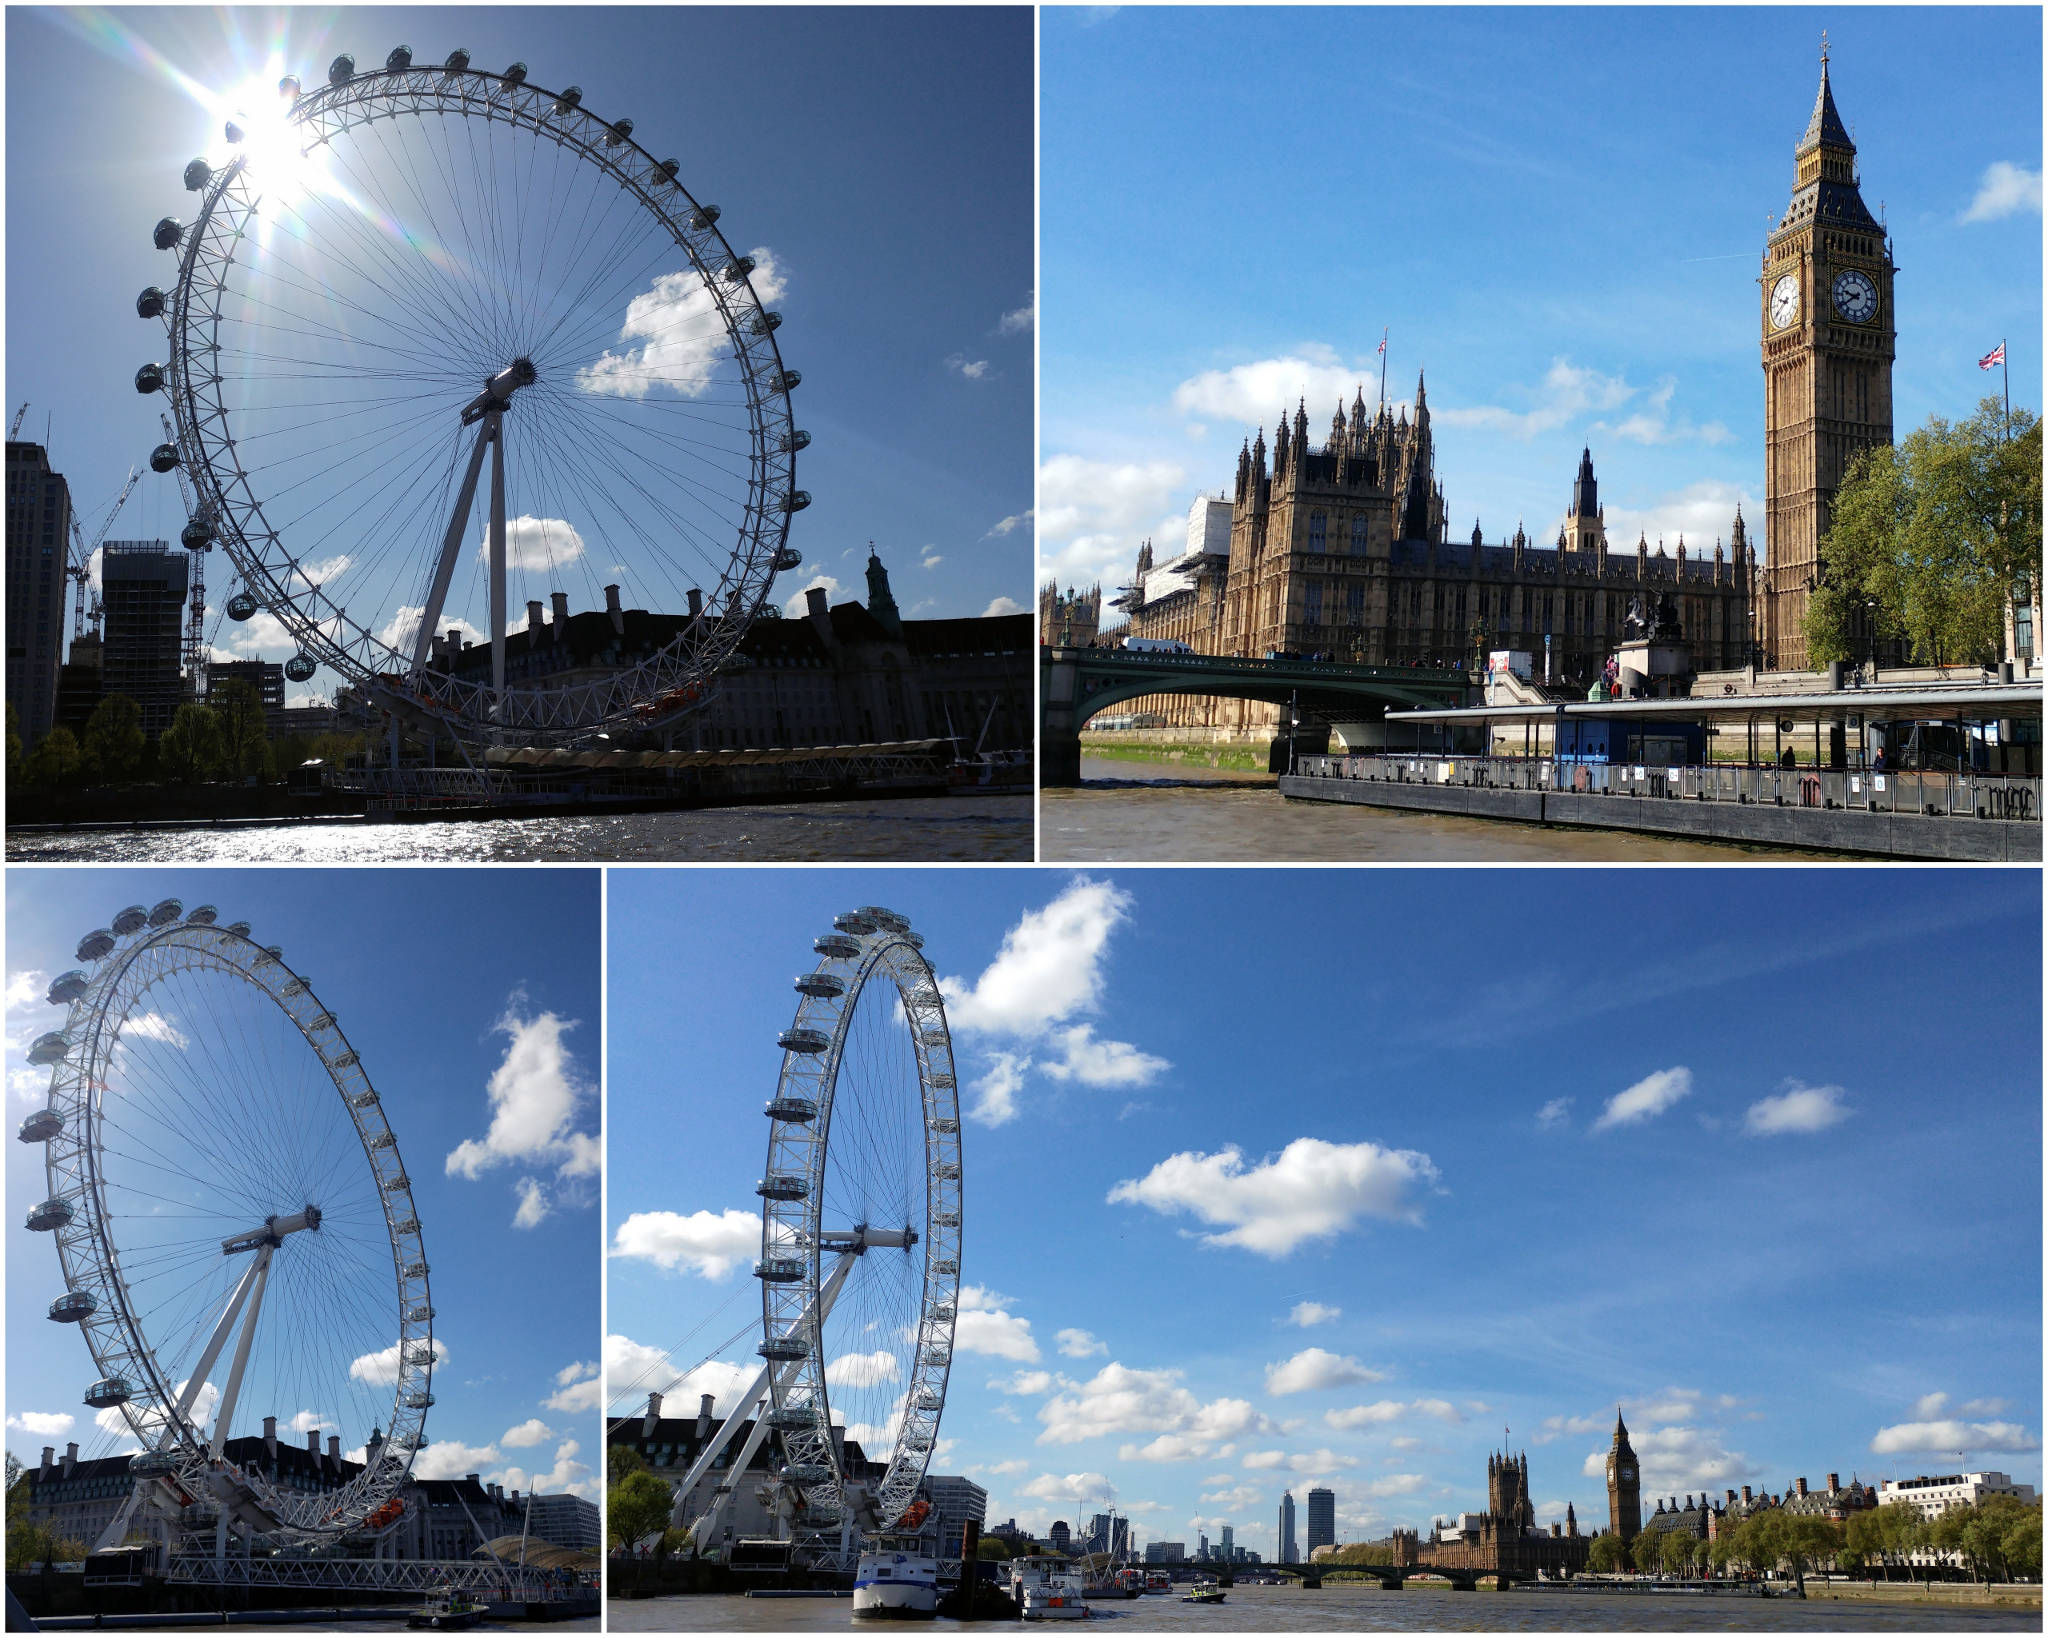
{"points": [[397, 274]]}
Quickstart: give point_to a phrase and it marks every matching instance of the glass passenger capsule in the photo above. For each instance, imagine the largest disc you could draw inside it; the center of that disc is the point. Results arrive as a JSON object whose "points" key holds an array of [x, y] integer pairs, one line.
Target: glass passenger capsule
{"points": [[787, 558], [108, 1392], [149, 305], [783, 1348], [167, 233], [131, 920], [399, 57], [794, 440], [241, 606], [74, 1306], [239, 928], [300, 667], [204, 916], [798, 1111], [95, 945], [197, 534], [785, 380], [820, 984], [198, 173], [341, 70], [779, 1270], [150, 378], [783, 1186], [802, 1038], [164, 912], [853, 921], [50, 1216], [837, 946], [704, 216], [41, 1126], [796, 500], [49, 1049]]}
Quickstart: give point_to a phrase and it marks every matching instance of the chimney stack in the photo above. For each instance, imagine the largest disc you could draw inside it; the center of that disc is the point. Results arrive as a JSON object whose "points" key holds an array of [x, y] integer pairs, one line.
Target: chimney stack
{"points": [[333, 1449], [270, 1437], [454, 641], [313, 1445], [534, 619], [653, 1415], [696, 603], [49, 1458], [1802, 1487], [1834, 1482], [704, 1418], [561, 603], [70, 1458], [611, 607], [814, 603], [1745, 1495]]}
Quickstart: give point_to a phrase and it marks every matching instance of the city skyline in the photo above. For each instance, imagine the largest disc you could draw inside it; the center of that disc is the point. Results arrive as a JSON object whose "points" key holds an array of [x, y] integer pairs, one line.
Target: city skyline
{"points": [[917, 364], [1574, 268], [479, 1029], [1245, 1213]]}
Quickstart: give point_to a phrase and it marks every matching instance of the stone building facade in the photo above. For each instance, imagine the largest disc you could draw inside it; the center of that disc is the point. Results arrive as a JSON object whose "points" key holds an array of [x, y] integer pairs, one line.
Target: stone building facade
{"points": [[1624, 1485], [1068, 620], [1505, 1539], [1341, 550]]}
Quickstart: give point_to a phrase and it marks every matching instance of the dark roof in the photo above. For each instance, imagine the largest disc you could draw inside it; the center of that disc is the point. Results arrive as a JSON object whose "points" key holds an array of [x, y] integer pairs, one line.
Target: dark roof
{"points": [[996, 633], [1826, 125], [681, 1431]]}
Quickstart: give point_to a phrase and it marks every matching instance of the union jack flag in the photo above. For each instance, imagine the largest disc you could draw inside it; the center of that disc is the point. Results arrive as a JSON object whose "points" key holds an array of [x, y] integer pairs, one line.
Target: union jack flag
{"points": [[1383, 341], [1995, 356]]}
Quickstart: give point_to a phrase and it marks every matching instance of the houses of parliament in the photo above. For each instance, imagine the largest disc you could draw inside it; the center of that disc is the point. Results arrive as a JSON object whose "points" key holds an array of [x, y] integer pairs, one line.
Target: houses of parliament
{"points": [[1344, 548]]}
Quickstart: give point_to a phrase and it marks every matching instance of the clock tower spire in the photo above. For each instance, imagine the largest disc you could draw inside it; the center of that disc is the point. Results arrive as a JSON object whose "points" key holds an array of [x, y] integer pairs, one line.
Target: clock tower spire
{"points": [[1828, 344], [1624, 1485]]}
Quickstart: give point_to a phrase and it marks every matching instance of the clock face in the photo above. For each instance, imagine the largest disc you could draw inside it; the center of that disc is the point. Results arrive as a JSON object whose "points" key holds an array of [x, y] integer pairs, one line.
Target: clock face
{"points": [[1628, 1473], [1855, 297], [1785, 301]]}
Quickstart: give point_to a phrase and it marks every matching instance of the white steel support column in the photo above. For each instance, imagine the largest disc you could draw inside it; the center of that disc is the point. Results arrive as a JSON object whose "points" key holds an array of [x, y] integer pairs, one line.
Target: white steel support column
{"points": [[451, 549], [494, 425], [234, 1388], [206, 1359]]}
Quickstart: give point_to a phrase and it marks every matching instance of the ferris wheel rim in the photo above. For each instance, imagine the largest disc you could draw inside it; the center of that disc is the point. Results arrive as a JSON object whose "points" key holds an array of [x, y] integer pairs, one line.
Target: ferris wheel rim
{"points": [[658, 688], [889, 951], [90, 1257]]}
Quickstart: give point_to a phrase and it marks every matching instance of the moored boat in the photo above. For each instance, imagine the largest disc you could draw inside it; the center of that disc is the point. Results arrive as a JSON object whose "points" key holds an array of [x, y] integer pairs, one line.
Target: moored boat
{"points": [[1047, 1589], [890, 1584], [1203, 1592]]}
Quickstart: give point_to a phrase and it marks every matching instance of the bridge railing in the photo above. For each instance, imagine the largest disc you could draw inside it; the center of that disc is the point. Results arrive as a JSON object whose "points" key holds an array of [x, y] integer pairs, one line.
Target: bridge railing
{"points": [[1151, 659], [1933, 793]]}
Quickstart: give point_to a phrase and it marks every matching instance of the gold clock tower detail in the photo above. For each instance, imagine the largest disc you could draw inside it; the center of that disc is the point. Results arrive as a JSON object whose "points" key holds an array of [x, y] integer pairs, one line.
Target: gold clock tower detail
{"points": [[1828, 344]]}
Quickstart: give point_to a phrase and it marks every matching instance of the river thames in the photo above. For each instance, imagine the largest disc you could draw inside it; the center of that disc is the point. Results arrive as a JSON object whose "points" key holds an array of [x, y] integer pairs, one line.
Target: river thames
{"points": [[984, 826], [1129, 811], [1366, 1608]]}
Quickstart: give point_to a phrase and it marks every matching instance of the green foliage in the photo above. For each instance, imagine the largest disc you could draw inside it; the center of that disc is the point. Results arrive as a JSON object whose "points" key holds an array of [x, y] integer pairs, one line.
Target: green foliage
{"points": [[635, 1508], [245, 749], [1997, 1537], [114, 740], [57, 761], [1676, 1551], [190, 750], [1608, 1555], [30, 1544], [1934, 539], [619, 1460], [995, 1548]]}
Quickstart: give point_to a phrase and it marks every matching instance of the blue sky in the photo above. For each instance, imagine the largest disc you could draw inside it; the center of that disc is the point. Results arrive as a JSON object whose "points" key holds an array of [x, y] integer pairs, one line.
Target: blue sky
{"points": [[882, 161], [473, 999], [1560, 213], [1283, 1177]]}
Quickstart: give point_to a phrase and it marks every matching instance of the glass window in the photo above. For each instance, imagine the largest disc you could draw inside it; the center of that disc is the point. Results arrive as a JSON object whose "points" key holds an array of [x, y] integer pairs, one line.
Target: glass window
{"points": [[1317, 524]]}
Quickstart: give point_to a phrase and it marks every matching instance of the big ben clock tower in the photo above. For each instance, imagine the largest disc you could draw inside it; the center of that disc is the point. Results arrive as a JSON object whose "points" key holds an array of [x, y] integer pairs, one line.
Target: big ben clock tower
{"points": [[1624, 1486], [1828, 344]]}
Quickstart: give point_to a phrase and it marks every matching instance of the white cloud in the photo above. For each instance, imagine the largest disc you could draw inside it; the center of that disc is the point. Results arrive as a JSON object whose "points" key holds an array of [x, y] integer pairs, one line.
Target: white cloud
{"points": [[1023, 1382], [1076, 1344], [1649, 1097], [305, 1422], [2006, 190], [995, 1101], [1020, 319], [985, 1326], [1306, 1314], [862, 1370], [575, 1372], [1101, 1063], [1567, 392], [567, 1475], [1391, 1410], [974, 369], [381, 1368], [929, 559], [1316, 1368], [452, 1459], [402, 629], [1049, 967], [1068, 1487], [1119, 1399], [672, 336], [1950, 1435], [1797, 1109], [1397, 1484], [154, 1026], [44, 1424], [1310, 1190], [704, 1243], [1092, 515], [1679, 1459], [533, 1203], [530, 1432], [1257, 391], [1004, 526], [798, 605], [535, 545], [1699, 514], [1000, 606], [536, 1094], [1001, 1470], [25, 989], [1557, 1112]]}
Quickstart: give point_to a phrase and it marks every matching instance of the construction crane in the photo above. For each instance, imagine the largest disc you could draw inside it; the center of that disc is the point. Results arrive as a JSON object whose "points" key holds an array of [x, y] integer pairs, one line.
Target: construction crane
{"points": [[81, 555], [14, 427], [196, 647]]}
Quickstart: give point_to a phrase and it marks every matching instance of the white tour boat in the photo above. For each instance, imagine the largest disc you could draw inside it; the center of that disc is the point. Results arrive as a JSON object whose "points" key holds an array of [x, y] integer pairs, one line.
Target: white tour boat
{"points": [[893, 1584], [1047, 1589]]}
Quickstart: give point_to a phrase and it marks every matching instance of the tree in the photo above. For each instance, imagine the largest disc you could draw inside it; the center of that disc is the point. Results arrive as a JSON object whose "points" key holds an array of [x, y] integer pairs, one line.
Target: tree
{"points": [[114, 740], [30, 1543], [1676, 1551], [190, 748], [56, 761], [245, 751], [635, 1508], [2022, 1543], [1935, 540], [994, 1547], [1607, 1555], [620, 1460]]}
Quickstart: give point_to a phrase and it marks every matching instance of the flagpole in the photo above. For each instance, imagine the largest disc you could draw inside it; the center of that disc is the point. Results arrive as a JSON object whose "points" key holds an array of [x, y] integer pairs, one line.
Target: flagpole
{"points": [[2005, 370], [1383, 372]]}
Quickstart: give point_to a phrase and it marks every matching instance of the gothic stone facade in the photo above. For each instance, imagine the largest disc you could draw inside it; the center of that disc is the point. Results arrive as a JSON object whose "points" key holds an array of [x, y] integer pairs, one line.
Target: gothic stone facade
{"points": [[1507, 1540], [1341, 550]]}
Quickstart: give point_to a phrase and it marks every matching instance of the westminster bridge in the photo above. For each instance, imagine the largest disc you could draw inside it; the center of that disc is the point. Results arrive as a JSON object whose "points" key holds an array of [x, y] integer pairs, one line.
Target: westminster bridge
{"points": [[1075, 684]]}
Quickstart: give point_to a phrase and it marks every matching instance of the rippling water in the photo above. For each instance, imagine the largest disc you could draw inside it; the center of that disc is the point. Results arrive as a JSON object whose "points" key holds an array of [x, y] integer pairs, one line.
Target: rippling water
{"points": [[1369, 1609], [982, 826], [1136, 810]]}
